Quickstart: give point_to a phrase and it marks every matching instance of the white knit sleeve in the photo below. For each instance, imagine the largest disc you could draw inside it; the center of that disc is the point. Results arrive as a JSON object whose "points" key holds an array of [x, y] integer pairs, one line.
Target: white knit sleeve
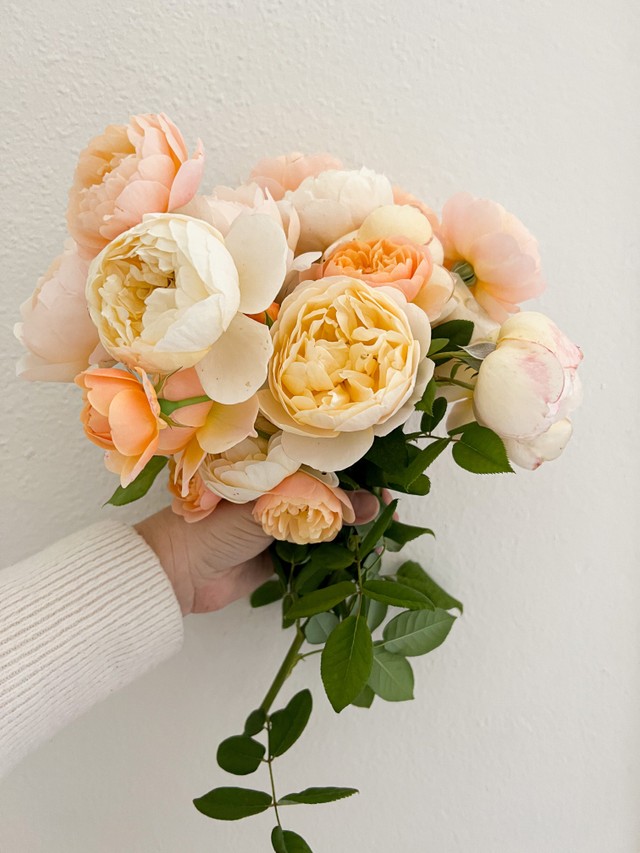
{"points": [[79, 620]]}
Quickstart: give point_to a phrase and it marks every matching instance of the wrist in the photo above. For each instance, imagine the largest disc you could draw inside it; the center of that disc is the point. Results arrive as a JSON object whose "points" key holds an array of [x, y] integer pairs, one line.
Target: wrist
{"points": [[163, 533]]}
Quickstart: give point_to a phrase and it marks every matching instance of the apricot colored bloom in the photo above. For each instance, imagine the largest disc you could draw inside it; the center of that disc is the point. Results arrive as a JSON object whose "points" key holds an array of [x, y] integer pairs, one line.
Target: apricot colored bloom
{"points": [[126, 172], [395, 246], [281, 174], [171, 293], [349, 362], [121, 415], [56, 328], [302, 509], [493, 253], [199, 501]]}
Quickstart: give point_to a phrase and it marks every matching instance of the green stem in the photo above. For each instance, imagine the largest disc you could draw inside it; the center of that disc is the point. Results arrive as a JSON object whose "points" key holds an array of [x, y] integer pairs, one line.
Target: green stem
{"points": [[447, 355], [273, 786], [291, 659], [168, 407], [448, 381]]}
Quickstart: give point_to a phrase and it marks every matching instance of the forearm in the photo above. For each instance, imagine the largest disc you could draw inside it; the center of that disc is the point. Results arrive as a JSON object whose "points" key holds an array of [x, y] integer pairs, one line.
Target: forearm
{"points": [[78, 621]]}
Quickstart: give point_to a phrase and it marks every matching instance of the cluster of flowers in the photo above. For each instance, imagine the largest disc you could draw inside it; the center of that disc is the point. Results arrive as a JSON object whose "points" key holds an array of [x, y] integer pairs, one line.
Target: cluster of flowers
{"points": [[260, 338]]}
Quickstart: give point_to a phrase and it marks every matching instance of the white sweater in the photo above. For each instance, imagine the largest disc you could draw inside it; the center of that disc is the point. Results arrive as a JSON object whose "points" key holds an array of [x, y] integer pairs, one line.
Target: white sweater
{"points": [[79, 620]]}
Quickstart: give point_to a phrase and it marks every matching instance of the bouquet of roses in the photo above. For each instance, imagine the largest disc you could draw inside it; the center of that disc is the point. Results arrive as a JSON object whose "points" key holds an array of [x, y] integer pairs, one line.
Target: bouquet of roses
{"points": [[310, 333]]}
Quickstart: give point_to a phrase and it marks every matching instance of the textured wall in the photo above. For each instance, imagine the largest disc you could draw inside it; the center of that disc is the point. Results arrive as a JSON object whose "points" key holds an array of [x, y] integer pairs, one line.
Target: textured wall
{"points": [[525, 736]]}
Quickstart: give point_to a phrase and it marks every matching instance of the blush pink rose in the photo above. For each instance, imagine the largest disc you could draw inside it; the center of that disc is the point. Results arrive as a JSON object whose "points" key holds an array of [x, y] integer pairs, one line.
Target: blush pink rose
{"points": [[304, 510], [56, 328], [126, 172], [279, 174], [493, 253]]}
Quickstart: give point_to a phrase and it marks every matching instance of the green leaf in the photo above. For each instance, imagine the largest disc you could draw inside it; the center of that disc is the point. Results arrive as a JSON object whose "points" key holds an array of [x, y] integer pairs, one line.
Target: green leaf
{"points": [[458, 332], [426, 402], [391, 676], [266, 594], [319, 627], [417, 633], [324, 559], [420, 486], [428, 421], [436, 345], [412, 574], [376, 612], [255, 722], [290, 552], [399, 534], [287, 725], [232, 803], [317, 796], [240, 755], [321, 600], [389, 452], [481, 451], [346, 661], [378, 528], [423, 459], [396, 594], [142, 483], [286, 841], [365, 698]]}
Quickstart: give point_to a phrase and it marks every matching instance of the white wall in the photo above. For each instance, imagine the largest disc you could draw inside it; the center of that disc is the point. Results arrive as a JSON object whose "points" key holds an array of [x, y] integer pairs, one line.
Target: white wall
{"points": [[525, 734]]}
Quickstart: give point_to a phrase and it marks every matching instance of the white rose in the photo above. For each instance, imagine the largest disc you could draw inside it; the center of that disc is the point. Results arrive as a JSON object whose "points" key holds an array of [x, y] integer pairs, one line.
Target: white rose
{"points": [[349, 363], [528, 385], [248, 470], [335, 203], [171, 293], [532, 452]]}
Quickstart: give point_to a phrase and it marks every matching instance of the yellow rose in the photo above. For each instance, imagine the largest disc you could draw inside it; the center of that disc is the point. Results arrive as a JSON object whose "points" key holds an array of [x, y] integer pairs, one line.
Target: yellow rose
{"points": [[349, 363]]}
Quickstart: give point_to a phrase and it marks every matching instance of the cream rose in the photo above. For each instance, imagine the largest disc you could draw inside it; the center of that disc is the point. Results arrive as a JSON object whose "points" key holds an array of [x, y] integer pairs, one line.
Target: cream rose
{"points": [[334, 203], [526, 388], [248, 470], [171, 293], [303, 509], [349, 362]]}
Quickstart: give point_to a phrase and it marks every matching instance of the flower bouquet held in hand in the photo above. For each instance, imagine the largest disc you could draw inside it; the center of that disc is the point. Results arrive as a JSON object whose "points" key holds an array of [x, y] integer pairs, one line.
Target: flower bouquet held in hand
{"points": [[289, 343]]}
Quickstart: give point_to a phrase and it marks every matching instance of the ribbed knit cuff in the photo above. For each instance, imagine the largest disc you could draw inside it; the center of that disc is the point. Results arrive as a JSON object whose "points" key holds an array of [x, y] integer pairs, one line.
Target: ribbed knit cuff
{"points": [[78, 620]]}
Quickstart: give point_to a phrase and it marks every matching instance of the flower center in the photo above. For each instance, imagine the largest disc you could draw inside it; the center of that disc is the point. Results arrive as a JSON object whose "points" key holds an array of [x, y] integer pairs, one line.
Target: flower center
{"points": [[466, 272]]}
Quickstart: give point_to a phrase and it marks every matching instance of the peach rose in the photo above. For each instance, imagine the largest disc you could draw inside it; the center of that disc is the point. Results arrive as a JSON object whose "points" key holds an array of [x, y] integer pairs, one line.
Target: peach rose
{"points": [[121, 415], [349, 363], [302, 509], [56, 327], [126, 172], [198, 502], [492, 252], [401, 196], [280, 174], [395, 262]]}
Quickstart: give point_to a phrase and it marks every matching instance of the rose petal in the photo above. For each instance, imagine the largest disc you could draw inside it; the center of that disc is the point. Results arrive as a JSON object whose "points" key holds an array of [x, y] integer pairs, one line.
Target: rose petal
{"points": [[328, 454], [225, 426], [259, 248]]}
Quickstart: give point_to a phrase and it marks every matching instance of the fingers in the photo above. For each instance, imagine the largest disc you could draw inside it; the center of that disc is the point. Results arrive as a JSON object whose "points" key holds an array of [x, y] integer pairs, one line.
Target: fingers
{"points": [[236, 583], [229, 537], [365, 505]]}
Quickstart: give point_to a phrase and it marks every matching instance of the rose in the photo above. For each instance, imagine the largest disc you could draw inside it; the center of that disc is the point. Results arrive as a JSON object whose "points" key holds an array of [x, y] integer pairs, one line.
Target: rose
{"points": [[493, 252], [302, 509], [395, 246], [527, 386], [199, 501], [121, 415], [248, 470], [349, 362], [56, 327], [126, 172], [280, 174], [335, 203], [171, 293]]}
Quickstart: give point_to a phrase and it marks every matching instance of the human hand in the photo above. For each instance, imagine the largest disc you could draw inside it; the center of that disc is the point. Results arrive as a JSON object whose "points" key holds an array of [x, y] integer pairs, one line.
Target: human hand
{"points": [[222, 557]]}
